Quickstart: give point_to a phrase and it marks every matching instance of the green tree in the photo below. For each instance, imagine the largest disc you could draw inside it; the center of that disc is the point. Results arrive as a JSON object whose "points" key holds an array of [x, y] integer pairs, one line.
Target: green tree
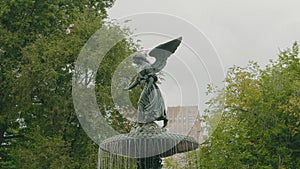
{"points": [[38, 124], [261, 117]]}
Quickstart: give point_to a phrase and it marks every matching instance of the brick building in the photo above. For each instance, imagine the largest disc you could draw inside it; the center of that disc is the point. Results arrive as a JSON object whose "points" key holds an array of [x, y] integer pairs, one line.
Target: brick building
{"points": [[184, 120]]}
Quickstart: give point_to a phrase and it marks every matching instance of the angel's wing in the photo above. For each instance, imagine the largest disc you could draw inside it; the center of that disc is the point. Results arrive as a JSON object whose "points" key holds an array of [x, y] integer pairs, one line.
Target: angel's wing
{"points": [[162, 52]]}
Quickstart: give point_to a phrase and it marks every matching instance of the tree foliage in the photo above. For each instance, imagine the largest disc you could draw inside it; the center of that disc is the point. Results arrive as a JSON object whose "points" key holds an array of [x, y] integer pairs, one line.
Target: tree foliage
{"points": [[261, 117], [38, 124]]}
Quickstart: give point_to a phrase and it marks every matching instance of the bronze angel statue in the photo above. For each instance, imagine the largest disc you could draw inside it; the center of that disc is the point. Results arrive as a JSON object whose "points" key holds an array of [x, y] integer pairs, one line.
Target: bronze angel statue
{"points": [[151, 105]]}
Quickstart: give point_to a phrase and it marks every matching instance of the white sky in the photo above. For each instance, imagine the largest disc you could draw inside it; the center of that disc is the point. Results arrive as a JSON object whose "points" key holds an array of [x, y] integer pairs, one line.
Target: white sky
{"points": [[239, 30]]}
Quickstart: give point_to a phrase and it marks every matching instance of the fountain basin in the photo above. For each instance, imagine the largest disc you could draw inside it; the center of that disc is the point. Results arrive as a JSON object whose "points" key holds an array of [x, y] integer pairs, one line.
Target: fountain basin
{"points": [[148, 140]]}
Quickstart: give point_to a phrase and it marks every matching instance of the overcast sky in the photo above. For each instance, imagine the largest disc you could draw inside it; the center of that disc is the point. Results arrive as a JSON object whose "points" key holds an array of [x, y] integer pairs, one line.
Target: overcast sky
{"points": [[238, 30]]}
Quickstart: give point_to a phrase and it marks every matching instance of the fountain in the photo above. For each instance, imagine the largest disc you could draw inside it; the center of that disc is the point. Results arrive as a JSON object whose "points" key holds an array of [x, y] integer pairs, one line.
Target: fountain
{"points": [[147, 142]]}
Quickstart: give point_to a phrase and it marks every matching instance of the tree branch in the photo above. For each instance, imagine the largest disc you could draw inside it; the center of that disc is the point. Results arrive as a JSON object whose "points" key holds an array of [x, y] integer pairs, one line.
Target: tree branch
{"points": [[13, 136]]}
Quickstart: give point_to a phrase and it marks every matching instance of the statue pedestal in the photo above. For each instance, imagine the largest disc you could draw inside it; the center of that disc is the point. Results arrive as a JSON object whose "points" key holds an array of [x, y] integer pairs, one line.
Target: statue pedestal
{"points": [[149, 163]]}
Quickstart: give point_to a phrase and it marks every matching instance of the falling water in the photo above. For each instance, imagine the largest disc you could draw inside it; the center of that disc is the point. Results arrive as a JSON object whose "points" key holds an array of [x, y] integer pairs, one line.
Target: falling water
{"points": [[111, 161], [144, 148]]}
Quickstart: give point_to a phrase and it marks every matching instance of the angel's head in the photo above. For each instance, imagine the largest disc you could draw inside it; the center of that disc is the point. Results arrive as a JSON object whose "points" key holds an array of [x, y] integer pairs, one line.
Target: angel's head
{"points": [[140, 59]]}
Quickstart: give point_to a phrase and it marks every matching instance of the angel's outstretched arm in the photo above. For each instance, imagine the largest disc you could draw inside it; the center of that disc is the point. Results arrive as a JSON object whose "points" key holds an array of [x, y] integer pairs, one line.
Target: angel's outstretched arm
{"points": [[132, 85]]}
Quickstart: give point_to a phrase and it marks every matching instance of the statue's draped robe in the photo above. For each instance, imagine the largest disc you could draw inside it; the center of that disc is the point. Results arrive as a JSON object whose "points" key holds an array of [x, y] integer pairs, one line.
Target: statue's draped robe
{"points": [[151, 105]]}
